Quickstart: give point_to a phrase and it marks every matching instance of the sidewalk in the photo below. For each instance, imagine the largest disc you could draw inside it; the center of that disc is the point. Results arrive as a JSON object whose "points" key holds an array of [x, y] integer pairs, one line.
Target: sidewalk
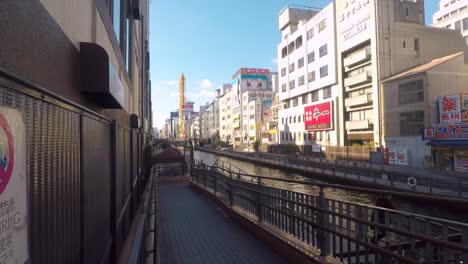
{"points": [[195, 230]]}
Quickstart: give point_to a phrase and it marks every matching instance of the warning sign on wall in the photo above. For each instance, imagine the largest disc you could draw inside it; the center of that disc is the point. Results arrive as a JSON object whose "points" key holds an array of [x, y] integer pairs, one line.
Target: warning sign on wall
{"points": [[13, 193]]}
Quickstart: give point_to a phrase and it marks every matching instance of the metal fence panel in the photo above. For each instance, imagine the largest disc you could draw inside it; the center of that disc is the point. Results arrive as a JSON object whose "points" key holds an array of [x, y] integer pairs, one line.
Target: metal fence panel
{"points": [[96, 190]]}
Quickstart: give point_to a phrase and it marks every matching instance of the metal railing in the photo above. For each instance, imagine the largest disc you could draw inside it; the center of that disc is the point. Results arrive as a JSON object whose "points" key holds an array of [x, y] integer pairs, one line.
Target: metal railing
{"points": [[349, 232], [448, 186], [144, 244]]}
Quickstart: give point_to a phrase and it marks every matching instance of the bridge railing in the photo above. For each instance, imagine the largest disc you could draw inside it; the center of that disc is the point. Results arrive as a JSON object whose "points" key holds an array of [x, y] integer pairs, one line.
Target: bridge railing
{"points": [[349, 232], [448, 186]]}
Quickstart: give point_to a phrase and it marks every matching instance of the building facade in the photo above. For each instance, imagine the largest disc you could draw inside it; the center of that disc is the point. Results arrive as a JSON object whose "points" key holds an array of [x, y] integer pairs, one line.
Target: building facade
{"points": [[308, 76], [452, 15]]}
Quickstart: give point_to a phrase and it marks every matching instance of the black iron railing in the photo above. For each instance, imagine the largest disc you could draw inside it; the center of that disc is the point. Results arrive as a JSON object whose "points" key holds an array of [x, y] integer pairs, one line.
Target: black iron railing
{"points": [[349, 232], [145, 243], [448, 186]]}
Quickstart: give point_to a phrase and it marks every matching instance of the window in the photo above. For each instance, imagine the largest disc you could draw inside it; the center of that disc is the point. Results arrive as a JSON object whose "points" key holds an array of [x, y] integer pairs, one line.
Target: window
{"points": [[301, 80], [294, 120], [411, 123], [282, 120], [314, 95], [116, 18], [291, 47], [128, 48], [311, 57], [323, 50], [290, 120], [295, 103], [322, 25], [299, 119], [416, 46], [284, 52], [283, 72], [404, 44], [465, 23], [323, 71], [283, 87], [458, 25], [310, 33], [326, 92], [305, 99], [300, 63], [286, 106], [291, 67], [299, 42], [311, 76], [411, 92], [292, 84]]}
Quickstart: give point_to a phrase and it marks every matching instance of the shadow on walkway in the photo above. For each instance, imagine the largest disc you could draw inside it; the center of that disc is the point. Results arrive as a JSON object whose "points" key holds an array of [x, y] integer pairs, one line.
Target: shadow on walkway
{"points": [[195, 230]]}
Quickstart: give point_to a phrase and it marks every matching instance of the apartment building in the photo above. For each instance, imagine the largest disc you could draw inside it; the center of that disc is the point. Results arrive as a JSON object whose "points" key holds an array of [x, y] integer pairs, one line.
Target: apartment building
{"points": [[225, 114], [377, 39], [452, 14], [254, 106], [308, 76]]}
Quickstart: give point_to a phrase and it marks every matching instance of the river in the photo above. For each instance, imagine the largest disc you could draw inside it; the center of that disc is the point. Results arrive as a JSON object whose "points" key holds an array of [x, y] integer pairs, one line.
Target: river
{"points": [[423, 208]]}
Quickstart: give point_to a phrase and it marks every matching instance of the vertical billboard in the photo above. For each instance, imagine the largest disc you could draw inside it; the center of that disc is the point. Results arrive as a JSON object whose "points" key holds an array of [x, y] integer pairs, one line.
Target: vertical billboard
{"points": [[236, 93], [464, 106], [319, 117], [450, 109]]}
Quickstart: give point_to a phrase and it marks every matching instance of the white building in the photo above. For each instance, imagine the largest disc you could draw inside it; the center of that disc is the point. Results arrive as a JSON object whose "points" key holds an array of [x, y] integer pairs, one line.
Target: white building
{"points": [[225, 114], [308, 76], [254, 105], [454, 15]]}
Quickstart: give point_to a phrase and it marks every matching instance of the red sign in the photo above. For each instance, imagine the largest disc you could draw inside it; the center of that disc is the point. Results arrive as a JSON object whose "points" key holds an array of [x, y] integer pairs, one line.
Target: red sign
{"points": [[450, 109], [464, 117], [318, 117], [451, 132], [187, 106], [428, 133], [249, 71]]}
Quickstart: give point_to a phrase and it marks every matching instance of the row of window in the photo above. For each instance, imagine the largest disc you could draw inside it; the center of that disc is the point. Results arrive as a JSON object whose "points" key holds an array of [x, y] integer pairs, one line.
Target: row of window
{"points": [[314, 96], [323, 50], [292, 136], [121, 19], [301, 79], [460, 25], [294, 45]]}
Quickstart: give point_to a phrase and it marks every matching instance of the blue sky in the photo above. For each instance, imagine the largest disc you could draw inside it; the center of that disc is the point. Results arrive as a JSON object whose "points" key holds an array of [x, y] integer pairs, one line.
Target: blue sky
{"points": [[209, 40]]}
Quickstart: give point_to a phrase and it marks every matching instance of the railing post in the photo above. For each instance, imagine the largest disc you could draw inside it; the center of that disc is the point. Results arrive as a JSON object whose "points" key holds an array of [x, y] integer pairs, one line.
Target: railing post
{"points": [[259, 200], [324, 239], [230, 188], [460, 188], [465, 243], [214, 182]]}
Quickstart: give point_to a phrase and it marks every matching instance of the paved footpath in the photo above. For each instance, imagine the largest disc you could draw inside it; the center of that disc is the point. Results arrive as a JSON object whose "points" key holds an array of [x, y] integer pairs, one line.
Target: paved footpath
{"points": [[195, 230]]}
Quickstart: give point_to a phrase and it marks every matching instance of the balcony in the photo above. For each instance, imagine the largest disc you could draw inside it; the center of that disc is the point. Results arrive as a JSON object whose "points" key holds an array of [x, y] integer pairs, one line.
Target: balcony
{"points": [[358, 124], [357, 57], [358, 79], [359, 100]]}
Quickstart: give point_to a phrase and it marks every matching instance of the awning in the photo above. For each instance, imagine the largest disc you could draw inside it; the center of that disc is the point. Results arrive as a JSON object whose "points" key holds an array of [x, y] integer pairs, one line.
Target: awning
{"points": [[272, 131], [448, 143]]}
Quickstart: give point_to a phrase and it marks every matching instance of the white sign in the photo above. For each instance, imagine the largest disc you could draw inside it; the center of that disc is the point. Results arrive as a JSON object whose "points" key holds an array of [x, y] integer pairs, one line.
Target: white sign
{"points": [[13, 193], [402, 156], [450, 109]]}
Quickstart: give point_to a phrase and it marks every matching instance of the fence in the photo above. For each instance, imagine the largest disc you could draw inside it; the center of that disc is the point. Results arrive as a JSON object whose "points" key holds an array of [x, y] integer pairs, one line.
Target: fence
{"points": [[349, 232], [83, 176], [455, 187]]}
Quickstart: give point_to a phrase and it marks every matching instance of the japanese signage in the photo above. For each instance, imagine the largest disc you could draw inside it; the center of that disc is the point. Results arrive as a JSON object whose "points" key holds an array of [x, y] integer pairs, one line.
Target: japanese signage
{"points": [[451, 132], [450, 109], [236, 93], [464, 106], [13, 200], [428, 133], [187, 107], [398, 156], [318, 117], [254, 82], [354, 18], [250, 71]]}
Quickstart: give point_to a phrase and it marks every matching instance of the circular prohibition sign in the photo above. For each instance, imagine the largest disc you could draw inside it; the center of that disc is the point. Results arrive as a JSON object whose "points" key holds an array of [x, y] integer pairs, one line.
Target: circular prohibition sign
{"points": [[5, 173]]}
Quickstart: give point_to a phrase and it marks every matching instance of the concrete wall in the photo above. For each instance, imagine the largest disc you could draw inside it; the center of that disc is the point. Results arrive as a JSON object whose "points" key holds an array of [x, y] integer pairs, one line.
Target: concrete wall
{"points": [[417, 148]]}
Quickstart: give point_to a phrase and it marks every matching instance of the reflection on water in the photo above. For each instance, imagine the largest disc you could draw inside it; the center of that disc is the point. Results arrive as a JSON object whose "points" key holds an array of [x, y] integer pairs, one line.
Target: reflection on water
{"points": [[333, 193]]}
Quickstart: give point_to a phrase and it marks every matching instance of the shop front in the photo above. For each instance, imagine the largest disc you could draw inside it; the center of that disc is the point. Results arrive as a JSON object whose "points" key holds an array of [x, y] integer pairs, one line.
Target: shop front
{"points": [[450, 147]]}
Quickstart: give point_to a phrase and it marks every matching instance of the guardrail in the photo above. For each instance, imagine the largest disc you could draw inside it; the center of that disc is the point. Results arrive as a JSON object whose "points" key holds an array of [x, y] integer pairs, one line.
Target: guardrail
{"points": [[143, 241], [448, 187], [349, 232]]}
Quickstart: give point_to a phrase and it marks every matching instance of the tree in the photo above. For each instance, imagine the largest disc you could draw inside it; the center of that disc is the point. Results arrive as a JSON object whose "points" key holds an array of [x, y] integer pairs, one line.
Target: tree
{"points": [[256, 144]]}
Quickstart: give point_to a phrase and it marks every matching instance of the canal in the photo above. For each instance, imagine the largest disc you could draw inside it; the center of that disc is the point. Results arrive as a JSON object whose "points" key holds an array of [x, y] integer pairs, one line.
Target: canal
{"points": [[424, 208]]}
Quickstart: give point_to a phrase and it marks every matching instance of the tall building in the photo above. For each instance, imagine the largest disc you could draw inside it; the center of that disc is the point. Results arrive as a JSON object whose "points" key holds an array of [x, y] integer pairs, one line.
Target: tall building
{"points": [[225, 113], [453, 15], [308, 76]]}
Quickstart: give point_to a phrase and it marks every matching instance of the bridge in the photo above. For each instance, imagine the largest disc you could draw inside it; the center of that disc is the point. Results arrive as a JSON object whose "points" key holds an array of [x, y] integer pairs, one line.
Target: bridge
{"points": [[221, 214]]}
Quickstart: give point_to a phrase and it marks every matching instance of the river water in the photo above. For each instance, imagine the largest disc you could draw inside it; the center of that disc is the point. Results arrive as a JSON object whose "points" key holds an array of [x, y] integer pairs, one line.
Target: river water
{"points": [[423, 208]]}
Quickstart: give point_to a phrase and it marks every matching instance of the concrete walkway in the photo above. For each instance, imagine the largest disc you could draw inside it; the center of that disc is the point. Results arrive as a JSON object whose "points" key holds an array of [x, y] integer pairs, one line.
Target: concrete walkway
{"points": [[193, 229]]}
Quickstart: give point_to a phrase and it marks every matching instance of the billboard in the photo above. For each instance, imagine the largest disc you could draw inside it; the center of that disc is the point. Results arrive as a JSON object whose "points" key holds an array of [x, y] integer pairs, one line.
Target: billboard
{"points": [[451, 132], [319, 117], [450, 109], [464, 106], [187, 107], [236, 93], [254, 82]]}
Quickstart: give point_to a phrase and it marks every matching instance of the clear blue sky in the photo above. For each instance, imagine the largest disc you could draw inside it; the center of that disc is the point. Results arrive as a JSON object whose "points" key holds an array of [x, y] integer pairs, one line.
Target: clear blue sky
{"points": [[209, 40]]}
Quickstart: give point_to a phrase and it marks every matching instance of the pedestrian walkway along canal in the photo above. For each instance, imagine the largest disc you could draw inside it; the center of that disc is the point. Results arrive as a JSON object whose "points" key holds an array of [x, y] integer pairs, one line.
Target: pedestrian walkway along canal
{"points": [[456, 214], [195, 230]]}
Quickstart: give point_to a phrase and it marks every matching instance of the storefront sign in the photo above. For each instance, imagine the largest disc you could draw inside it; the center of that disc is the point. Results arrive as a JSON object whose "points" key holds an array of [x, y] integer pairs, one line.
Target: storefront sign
{"points": [[319, 117], [402, 156], [450, 109], [428, 134], [464, 106], [13, 200], [451, 132]]}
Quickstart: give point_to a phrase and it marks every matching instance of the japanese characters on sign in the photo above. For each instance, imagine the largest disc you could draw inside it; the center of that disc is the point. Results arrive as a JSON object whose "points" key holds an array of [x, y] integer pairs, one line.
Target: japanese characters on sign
{"points": [[318, 117], [13, 200], [249, 71], [450, 109], [451, 132]]}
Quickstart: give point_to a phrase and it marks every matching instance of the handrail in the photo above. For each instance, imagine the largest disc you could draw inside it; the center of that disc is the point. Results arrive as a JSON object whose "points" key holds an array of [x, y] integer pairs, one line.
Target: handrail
{"points": [[139, 251]]}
